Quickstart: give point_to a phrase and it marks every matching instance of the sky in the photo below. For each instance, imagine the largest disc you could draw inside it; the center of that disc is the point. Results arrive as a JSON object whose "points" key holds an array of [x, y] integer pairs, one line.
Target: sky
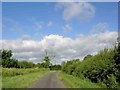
{"points": [[66, 30]]}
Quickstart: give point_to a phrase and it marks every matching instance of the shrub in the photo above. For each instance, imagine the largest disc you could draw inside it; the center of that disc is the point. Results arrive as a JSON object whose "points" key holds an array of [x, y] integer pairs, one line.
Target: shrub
{"points": [[111, 81]]}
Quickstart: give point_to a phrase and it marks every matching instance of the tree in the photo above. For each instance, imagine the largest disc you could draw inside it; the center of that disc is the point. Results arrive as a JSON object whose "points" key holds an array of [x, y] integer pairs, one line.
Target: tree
{"points": [[7, 61], [47, 61], [25, 64], [6, 54], [39, 65], [55, 67]]}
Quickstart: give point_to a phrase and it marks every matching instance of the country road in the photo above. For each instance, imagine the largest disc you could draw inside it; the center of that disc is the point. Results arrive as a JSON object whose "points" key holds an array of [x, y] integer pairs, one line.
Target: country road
{"points": [[49, 81]]}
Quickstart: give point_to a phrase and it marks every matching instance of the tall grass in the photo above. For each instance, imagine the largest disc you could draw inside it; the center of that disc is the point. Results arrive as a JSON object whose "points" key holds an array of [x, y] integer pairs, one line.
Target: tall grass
{"points": [[75, 82], [22, 81], [16, 71], [21, 78]]}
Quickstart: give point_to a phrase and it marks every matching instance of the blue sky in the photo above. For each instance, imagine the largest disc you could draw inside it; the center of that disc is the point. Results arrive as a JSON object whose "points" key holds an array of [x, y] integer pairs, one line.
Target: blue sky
{"points": [[66, 30], [19, 19]]}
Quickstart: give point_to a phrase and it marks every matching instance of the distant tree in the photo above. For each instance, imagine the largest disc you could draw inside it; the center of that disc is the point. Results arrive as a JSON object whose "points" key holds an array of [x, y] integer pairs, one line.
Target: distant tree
{"points": [[47, 62], [55, 67], [25, 64], [46, 59], [41, 65]]}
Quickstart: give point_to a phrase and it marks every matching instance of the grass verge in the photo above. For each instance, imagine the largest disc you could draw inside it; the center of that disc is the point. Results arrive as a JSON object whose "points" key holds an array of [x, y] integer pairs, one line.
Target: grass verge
{"points": [[22, 81], [74, 82]]}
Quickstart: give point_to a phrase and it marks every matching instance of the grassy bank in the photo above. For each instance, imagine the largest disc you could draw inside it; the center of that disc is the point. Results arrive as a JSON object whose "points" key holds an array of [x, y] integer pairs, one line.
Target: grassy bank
{"points": [[75, 82], [22, 81], [22, 71]]}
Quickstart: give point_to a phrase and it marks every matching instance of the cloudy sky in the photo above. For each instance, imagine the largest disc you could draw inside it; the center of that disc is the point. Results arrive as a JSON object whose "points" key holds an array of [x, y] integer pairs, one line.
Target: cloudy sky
{"points": [[66, 30]]}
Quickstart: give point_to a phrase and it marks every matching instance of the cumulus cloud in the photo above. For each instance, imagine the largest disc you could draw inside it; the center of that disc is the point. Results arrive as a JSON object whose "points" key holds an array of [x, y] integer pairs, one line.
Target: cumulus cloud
{"points": [[67, 28], [76, 10], [63, 48]]}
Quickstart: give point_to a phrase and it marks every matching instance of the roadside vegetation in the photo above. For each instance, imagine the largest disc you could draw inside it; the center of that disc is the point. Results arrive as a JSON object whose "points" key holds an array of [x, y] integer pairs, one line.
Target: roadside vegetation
{"points": [[94, 71], [22, 74], [74, 82], [7, 61], [102, 68], [23, 81], [16, 71]]}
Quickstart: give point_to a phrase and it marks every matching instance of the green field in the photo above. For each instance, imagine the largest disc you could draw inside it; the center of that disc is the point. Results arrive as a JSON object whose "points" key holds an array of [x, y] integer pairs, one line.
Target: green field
{"points": [[75, 82], [22, 81]]}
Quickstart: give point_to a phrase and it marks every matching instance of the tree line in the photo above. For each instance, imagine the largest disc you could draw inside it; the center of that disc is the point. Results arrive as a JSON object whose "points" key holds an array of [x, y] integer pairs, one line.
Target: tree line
{"points": [[103, 68], [8, 62]]}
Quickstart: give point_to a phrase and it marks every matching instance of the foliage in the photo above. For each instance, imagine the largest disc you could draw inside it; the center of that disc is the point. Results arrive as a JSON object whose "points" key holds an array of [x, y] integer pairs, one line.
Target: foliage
{"points": [[75, 82], [40, 65], [16, 71], [111, 81], [117, 61], [25, 64], [7, 61], [55, 67], [88, 56], [102, 67], [47, 62]]}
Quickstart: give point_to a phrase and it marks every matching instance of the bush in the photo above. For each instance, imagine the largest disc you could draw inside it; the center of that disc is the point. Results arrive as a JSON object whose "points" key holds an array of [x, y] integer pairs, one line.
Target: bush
{"points": [[111, 81], [98, 68]]}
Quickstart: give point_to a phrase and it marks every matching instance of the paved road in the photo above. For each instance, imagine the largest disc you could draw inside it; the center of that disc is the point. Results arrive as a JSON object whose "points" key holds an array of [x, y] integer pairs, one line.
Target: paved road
{"points": [[49, 81]]}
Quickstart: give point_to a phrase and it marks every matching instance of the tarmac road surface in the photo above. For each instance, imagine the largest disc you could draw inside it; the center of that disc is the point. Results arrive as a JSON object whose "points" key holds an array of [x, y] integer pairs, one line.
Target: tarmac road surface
{"points": [[49, 81]]}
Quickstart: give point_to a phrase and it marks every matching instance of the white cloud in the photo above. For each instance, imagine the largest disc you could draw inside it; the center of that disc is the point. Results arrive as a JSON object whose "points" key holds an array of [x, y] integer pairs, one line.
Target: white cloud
{"points": [[67, 28], [64, 48], [100, 27], [50, 23], [75, 10]]}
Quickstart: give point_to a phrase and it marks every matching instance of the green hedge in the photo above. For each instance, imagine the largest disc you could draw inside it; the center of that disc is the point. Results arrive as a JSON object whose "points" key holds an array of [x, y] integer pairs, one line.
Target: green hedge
{"points": [[98, 68]]}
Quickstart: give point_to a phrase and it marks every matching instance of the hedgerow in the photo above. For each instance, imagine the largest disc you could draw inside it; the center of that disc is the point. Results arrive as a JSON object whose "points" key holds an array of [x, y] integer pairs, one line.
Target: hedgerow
{"points": [[100, 68]]}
